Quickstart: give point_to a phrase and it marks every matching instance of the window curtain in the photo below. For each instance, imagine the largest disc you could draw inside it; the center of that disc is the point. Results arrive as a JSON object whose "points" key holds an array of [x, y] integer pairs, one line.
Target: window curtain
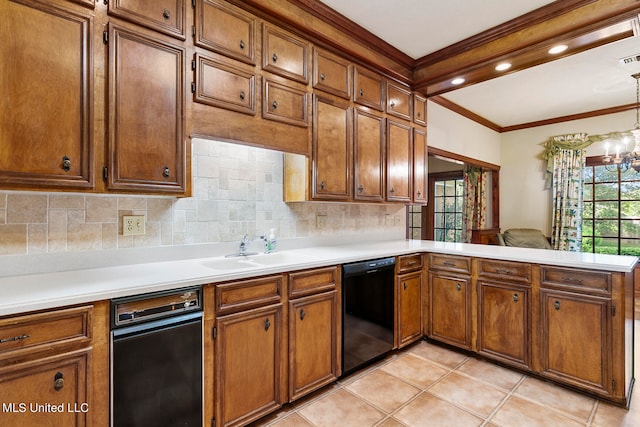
{"points": [[565, 163], [475, 198]]}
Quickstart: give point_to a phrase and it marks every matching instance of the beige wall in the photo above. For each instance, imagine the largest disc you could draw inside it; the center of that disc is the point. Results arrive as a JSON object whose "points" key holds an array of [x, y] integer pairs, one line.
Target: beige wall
{"points": [[524, 202], [237, 189]]}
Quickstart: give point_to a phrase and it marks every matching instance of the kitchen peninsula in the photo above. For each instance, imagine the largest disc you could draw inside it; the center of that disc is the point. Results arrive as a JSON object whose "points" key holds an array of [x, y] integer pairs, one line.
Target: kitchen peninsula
{"points": [[567, 317]]}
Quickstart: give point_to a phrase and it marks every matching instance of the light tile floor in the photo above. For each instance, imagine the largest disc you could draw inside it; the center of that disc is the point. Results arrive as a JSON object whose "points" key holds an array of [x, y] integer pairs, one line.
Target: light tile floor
{"points": [[428, 385]]}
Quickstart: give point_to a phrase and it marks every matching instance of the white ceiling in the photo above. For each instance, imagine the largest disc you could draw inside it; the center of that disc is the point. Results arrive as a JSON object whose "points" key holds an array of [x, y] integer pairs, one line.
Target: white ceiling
{"points": [[591, 80]]}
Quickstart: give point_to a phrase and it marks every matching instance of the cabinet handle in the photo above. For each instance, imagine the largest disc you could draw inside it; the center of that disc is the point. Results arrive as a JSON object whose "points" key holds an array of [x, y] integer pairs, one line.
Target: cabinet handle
{"points": [[302, 314], [166, 172], [556, 305], [458, 287], [405, 285], [322, 185], [18, 338], [572, 280], [392, 104], [361, 188], [242, 95], [58, 381], [419, 193], [275, 105], [503, 271], [322, 77], [449, 264], [393, 190], [515, 298], [241, 44], [267, 324], [166, 14], [361, 92], [419, 114], [274, 57], [66, 164]]}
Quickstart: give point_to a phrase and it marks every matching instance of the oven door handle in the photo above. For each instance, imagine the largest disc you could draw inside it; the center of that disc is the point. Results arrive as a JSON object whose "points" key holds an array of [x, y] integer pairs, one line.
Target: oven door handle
{"points": [[155, 325]]}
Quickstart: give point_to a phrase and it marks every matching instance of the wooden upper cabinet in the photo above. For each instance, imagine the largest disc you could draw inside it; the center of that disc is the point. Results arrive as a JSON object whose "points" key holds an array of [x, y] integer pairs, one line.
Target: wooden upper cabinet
{"points": [[332, 73], [399, 161], [146, 148], [285, 54], [165, 16], [285, 103], [399, 101], [369, 141], [331, 146], [225, 85], [420, 165], [419, 109], [46, 124], [225, 29], [368, 88]]}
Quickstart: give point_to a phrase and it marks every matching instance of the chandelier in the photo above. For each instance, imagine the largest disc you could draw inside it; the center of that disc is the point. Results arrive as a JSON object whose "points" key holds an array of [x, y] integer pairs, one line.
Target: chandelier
{"points": [[628, 159]]}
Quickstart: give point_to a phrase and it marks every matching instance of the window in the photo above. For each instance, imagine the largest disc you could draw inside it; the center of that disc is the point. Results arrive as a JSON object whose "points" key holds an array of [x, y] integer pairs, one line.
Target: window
{"points": [[611, 217], [448, 197]]}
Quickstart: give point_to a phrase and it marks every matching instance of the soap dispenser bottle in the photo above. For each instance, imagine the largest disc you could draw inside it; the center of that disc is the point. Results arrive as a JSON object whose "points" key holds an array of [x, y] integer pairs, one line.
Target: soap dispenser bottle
{"points": [[271, 241]]}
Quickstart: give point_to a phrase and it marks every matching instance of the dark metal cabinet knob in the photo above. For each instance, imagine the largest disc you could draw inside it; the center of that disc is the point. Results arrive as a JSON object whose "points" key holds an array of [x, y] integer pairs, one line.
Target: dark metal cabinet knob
{"points": [[166, 172], [302, 314], [242, 95], [267, 324], [58, 381], [274, 104], [241, 44], [166, 14], [274, 58], [458, 287], [516, 298], [322, 77], [556, 305], [66, 164]]}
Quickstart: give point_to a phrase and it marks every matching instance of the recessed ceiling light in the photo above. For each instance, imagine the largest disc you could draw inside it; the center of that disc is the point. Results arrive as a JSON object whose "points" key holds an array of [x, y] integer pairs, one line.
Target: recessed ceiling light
{"points": [[503, 66], [457, 81], [558, 49]]}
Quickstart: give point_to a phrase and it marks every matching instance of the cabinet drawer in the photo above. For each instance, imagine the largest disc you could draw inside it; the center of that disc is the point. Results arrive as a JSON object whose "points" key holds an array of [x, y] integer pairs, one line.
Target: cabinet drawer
{"points": [[331, 73], [409, 263], [285, 54], [225, 29], [222, 85], [165, 16], [312, 281], [284, 103], [44, 331], [399, 101], [450, 263], [419, 109], [237, 296], [505, 270], [576, 279], [369, 88]]}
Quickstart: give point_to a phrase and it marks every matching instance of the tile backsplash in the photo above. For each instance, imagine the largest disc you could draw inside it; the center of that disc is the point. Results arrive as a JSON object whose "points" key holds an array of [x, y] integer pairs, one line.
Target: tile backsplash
{"points": [[236, 190]]}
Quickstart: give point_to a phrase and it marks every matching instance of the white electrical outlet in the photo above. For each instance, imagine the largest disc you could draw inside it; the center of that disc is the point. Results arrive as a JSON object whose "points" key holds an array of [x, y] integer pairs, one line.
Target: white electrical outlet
{"points": [[132, 224]]}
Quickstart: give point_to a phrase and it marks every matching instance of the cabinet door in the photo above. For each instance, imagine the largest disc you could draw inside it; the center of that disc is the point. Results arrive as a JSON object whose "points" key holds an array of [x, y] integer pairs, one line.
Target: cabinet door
{"points": [[226, 29], [284, 54], [399, 161], [313, 347], [30, 392], [504, 323], [576, 339], [419, 109], [450, 309], [248, 365], [224, 85], [399, 101], [332, 73], [47, 97], [165, 16], [146, 113], [368, 88], [368, 156], [285, 103], [409, 308], [420, 173], [331, 145]]}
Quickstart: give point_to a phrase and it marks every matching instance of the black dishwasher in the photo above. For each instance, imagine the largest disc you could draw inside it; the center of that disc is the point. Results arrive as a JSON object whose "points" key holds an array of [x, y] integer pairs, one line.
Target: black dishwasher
{"points": [[156, 359], [367, 314]]}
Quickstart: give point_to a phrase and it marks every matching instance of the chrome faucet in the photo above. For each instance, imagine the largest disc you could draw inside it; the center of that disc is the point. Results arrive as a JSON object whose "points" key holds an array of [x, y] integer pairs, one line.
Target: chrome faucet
{"points": [[242, 250]]}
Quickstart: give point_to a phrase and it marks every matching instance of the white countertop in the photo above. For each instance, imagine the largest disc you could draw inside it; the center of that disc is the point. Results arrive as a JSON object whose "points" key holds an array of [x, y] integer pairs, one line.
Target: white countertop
{"points": [[44, 290]]}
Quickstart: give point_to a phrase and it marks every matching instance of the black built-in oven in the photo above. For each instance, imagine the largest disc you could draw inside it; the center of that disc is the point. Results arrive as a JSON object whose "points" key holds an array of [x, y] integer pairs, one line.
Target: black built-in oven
{"points": [[368, 312], [156, 359]]}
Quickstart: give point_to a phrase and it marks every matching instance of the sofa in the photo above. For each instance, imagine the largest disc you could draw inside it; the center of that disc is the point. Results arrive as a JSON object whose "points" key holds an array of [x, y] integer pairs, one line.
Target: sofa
{"points": [[524, 238]]}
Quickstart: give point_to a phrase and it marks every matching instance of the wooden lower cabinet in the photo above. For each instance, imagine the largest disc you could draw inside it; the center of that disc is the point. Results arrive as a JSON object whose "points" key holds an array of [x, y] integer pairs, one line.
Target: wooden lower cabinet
{"points": [[576, 340], [248, 365], [450, 309], [313, 347], [409, 308], [47, 391], [504, 323]]}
